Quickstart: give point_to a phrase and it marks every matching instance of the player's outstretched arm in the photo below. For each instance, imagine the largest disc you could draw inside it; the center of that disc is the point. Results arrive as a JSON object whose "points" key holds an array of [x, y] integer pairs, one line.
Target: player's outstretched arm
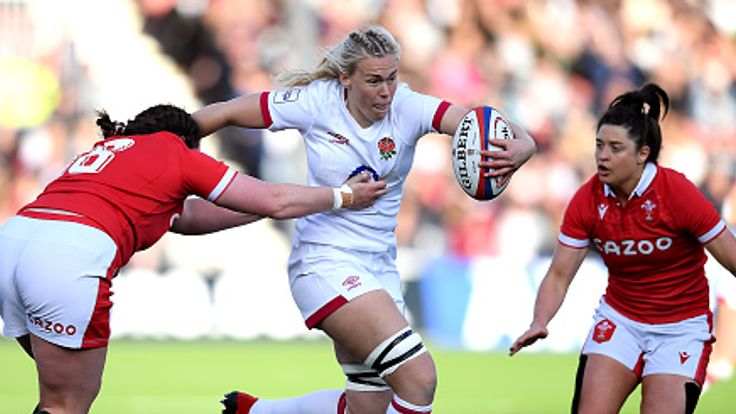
{"points": [[243, 111], [249, 199], [201, 217], [723, 248], [282, 201], [565, 264]]}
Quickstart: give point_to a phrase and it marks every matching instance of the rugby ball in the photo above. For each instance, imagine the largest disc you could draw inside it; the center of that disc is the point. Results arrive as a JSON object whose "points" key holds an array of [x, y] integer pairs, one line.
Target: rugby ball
{"points": [[472, 134]]}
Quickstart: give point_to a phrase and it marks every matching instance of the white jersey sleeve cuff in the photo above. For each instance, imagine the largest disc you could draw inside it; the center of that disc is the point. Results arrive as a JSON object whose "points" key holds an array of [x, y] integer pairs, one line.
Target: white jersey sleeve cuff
{"points": [[222, 185], [712, 233], [571, 242]]}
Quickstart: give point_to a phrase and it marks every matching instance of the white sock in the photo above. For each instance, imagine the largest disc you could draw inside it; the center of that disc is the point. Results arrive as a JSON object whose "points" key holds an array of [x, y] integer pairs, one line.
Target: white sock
{"points": [[318, 402], [399, 406]]}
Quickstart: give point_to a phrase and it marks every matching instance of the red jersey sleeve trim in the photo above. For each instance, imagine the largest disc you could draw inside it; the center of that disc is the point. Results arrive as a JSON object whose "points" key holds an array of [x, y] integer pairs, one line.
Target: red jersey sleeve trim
{"points": [[571, 242], [264, 110], [439, 113], [713, 233], [224, 183]]}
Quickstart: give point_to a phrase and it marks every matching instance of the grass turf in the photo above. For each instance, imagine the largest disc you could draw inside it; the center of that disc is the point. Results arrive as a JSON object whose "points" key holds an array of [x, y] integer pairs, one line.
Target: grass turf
{"points": [[190, 377]]}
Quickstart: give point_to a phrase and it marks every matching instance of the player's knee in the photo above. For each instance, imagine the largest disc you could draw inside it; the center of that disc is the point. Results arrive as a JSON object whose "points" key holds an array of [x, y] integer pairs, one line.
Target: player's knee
{"points": [[364, 402], [418, 377], [363, 378], [85, 388], [69, 395], [403, 360]]}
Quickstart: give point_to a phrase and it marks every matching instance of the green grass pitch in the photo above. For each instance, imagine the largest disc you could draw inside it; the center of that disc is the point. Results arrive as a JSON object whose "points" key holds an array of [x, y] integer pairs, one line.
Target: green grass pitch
{"points": [[190, 377]]}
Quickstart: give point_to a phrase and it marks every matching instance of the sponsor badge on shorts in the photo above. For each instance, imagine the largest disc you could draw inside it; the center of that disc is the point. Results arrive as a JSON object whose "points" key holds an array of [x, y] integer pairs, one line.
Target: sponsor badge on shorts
{"points": [[351, 282], [603, 331]]}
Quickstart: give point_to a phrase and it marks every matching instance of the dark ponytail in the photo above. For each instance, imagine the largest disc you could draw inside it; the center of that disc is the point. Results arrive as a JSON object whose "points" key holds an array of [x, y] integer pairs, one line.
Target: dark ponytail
{"points": [[639, 111], [109, 127], [154, 119]]}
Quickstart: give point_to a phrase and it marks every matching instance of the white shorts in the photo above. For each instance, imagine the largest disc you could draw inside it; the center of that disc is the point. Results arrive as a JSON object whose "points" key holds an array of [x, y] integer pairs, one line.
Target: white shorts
{"points": [[323, 278], [680, 348], [55, 279]]}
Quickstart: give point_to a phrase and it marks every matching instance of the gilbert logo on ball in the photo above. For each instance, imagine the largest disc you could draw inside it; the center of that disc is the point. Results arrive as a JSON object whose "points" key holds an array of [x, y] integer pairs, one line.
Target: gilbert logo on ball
{"points": [[476, 128]]}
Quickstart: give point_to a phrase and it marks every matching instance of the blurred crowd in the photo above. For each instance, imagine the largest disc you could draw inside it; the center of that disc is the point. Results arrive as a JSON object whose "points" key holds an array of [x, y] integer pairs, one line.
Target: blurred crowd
{"points": [[551, 66]]}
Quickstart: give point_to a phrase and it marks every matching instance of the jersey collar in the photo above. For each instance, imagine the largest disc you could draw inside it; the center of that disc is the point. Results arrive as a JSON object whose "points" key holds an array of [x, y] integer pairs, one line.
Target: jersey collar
{"points": [[647, 176]]}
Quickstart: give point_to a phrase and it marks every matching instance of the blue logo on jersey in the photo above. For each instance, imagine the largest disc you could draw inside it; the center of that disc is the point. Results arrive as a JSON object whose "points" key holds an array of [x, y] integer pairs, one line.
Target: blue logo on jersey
{"points": [[362, 168]]}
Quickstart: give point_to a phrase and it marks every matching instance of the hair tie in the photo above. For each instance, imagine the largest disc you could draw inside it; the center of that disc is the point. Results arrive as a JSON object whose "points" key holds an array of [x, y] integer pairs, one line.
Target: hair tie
{"points": [[645, 108], [119, 129]]}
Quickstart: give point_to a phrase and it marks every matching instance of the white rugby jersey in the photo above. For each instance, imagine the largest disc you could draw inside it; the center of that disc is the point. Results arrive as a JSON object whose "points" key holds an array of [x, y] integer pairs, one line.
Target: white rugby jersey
{"points": [[337, 145]]}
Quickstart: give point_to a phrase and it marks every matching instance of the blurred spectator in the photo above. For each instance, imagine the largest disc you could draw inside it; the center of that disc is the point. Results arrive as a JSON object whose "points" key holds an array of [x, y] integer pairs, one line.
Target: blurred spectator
{"points": [[186, 38]]}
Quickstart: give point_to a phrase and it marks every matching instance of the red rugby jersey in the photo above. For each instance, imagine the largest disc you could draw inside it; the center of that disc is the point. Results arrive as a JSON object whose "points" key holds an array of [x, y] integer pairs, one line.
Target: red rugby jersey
{"points": [[133, 188], [652, 246]]}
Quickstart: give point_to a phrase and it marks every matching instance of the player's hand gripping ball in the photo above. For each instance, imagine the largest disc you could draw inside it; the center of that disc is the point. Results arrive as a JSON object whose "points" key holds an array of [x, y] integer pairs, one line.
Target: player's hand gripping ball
{"points": [[472, 135]]}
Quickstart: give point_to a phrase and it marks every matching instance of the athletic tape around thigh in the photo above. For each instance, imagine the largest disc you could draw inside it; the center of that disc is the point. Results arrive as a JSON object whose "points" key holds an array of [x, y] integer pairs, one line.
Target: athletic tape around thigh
{"points": [[395, 351]]}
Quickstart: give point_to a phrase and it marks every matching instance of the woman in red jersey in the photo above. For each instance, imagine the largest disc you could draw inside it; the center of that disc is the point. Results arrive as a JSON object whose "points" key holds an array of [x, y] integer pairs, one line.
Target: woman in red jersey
{"points": [[651, 226], [59, 254]]}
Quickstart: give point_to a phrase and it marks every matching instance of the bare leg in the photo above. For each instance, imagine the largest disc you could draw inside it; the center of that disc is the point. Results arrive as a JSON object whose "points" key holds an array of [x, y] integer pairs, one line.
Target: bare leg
{"points": [[362, 401], [664, 393], [69, 379], [605, 385], [359, 327]]}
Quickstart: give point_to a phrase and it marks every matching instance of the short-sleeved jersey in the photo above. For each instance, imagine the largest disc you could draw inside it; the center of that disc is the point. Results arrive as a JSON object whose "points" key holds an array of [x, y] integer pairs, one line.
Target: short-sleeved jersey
{"points": [[337, 145], [132, 187], [652, 245]]}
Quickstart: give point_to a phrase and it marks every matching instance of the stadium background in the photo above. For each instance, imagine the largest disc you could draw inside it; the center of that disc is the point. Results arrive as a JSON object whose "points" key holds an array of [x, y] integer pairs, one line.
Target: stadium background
{"points": [[470, 269]]}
